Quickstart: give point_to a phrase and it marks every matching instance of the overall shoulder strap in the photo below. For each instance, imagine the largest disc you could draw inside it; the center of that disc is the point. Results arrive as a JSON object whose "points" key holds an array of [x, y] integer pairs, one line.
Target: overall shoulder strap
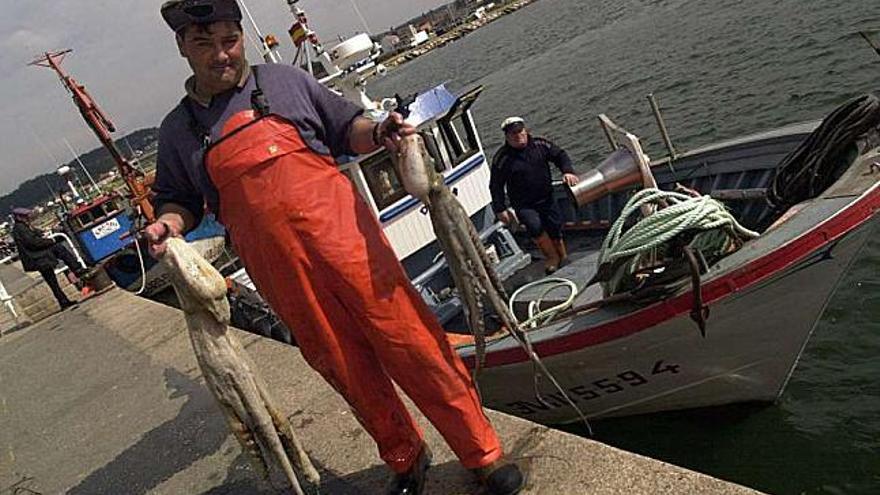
{"points": [[259, 101], [199, 130]]}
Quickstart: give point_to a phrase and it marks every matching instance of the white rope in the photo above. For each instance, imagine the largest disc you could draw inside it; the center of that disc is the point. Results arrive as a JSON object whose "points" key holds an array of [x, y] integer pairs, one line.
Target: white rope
{"points": [[538, 317], [137, 247]]}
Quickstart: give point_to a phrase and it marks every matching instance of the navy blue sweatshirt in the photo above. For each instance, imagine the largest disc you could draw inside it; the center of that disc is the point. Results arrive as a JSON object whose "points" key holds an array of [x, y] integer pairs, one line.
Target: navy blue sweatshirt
{"points": [[525, 173]]}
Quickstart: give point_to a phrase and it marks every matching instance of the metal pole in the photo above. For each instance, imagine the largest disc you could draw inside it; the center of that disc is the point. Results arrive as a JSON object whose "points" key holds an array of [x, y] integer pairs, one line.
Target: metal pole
{"points": [[607, 131], [65, 238], [268, 55], [308, 58], [870, 41], [662, 125]]}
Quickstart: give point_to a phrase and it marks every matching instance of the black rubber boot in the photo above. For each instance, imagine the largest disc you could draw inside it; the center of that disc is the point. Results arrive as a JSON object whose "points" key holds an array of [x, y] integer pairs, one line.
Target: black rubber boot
{"points": [[501, 478], [412, 482]]}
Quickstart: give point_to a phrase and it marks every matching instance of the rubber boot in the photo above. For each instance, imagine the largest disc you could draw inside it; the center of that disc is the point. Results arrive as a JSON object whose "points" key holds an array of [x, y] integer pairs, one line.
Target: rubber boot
{"points": [[412, 482], [501, 478], [548, 249], [559, 244]]}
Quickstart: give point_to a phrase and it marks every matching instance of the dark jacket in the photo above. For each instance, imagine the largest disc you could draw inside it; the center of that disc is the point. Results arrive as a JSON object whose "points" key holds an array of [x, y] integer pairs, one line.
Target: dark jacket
{"points": [[525, 173], [34, 250]]}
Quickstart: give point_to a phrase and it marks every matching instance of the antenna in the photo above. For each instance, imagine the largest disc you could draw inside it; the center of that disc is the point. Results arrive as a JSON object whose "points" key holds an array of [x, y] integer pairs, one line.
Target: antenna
{"points": [[55, 161], [82, 165], [360, 16]]}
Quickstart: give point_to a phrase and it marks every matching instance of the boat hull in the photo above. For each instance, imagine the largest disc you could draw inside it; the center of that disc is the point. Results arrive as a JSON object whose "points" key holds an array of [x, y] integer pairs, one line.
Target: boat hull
{"points": [[754, 339]]}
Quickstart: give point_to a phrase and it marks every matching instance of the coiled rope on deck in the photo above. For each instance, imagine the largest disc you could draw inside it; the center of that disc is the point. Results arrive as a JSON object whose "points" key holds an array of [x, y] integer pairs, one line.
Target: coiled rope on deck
{"points": [[684, 212]]}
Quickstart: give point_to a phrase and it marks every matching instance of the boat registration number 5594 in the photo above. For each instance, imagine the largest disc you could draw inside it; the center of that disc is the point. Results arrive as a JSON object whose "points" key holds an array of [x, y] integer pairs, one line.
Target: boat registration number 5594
{"points": [[106, 228], [620, 382]]}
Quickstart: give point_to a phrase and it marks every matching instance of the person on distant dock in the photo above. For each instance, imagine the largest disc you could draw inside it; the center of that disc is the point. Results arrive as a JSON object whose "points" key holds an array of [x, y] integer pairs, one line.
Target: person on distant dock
{"points": [[257, 144], [41, 254], [521, 172]]}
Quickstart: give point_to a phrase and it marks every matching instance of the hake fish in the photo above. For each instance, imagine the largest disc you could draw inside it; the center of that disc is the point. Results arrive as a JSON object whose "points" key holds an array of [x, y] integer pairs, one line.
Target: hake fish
{"points": [[242, 395]]}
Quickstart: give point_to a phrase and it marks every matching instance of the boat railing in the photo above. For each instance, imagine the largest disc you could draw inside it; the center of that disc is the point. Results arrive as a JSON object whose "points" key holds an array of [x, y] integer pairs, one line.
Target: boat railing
{"points": [[6, 300], [72, 246], [502, 248]]}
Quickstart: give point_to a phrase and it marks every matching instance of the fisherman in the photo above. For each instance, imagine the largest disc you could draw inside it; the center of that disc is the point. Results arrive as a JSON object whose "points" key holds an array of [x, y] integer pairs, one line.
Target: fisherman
{"points": [[521, 167], [257, 145], [41, 254]]}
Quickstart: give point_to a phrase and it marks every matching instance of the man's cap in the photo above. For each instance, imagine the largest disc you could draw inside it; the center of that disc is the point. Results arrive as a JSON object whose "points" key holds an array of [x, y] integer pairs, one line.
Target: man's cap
{"points": [[181, 13], [513, 124], [21, 212]]}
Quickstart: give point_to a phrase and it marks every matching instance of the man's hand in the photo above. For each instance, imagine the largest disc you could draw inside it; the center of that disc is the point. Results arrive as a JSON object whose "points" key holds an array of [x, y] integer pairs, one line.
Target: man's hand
{"points": [[504, 217], [157, 233], [393, 129], [570, 179]]}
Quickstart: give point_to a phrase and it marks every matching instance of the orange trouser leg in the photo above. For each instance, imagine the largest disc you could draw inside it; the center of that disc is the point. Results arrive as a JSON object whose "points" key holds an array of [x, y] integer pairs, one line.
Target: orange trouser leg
{"points": [[333, 345], [414, 351], [372, 285]]}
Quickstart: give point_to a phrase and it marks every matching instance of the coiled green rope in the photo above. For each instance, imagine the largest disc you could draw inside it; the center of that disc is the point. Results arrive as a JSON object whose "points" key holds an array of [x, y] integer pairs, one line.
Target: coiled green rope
{"points": [[681, 212], [684, 212]]}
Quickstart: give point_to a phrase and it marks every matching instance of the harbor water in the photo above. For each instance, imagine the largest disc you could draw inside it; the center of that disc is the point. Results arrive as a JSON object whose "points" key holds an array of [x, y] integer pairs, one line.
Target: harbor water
{"points": [[719, 69]]}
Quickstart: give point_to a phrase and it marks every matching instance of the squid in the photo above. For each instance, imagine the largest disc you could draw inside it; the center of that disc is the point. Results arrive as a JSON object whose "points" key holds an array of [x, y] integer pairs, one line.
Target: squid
{"points": [[244, 399]]}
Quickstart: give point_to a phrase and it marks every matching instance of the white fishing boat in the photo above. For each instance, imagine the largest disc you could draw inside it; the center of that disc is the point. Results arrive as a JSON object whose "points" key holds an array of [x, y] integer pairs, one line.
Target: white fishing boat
{"points": [[642, 351]]}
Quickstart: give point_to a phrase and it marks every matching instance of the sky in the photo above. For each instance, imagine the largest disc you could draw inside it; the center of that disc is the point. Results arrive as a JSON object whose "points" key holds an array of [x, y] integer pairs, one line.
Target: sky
{"points": [[126, 57]]}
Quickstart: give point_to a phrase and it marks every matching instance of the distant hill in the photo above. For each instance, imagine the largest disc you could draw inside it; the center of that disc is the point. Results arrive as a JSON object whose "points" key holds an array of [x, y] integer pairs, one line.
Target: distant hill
{"points": [[98, 161]]}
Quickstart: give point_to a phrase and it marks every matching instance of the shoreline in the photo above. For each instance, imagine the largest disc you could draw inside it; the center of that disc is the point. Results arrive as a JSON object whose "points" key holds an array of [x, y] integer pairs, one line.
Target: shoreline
{"points": [[457, 33]]}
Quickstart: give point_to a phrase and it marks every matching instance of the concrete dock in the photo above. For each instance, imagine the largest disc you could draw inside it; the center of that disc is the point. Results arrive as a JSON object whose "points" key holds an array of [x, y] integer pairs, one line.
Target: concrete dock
{"points": [[107, 398]]}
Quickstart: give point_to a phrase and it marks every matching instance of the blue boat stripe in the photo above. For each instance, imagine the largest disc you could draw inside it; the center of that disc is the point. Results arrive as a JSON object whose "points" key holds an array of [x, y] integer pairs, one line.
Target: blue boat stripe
{"points": [[412, 202]]}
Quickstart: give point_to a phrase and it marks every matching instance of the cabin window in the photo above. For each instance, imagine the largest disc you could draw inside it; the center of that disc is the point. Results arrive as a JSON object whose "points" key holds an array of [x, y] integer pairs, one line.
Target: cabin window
{"points": [[84, 218], [110, 207], [434, 150], [382, 179], [460, 137]]}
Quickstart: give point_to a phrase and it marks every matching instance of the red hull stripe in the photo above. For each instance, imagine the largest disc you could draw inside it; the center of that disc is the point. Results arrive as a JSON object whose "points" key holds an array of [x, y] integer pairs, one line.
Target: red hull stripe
{"points": [[762, 268]]}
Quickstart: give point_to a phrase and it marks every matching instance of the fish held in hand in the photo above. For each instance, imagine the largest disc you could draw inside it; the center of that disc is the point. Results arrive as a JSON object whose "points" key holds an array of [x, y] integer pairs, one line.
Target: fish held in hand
{"points": [[242, 395]]}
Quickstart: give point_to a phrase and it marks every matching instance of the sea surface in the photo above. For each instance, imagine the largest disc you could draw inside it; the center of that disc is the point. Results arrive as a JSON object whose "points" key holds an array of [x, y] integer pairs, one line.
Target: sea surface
{"points": [[719, 69]]}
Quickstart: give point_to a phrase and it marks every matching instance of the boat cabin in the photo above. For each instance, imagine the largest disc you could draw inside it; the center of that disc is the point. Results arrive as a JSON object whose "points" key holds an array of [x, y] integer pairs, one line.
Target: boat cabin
{"points": [[100, 227], [451, 138]]}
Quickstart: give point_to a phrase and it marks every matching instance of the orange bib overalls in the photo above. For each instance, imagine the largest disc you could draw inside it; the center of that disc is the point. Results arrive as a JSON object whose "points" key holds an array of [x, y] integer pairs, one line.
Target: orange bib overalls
{"points": [[317, 254]]}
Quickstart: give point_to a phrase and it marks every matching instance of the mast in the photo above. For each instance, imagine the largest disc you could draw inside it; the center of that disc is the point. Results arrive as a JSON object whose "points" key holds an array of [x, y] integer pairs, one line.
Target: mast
{"points": [[308, 48], [269, 52], [101, 125]]}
